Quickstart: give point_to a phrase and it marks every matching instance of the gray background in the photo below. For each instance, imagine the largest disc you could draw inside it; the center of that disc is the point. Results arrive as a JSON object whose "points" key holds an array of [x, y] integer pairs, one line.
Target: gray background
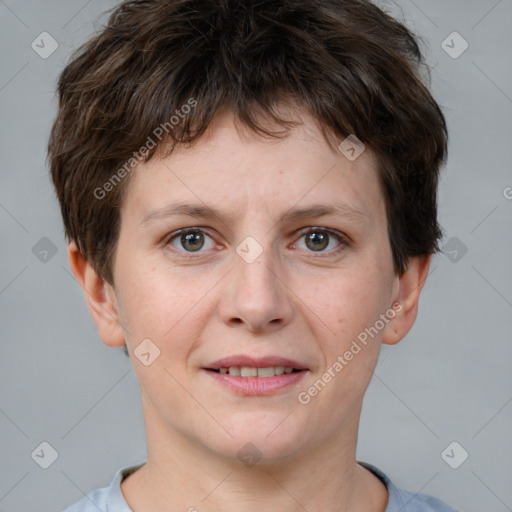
{"points": [[448, 380]]}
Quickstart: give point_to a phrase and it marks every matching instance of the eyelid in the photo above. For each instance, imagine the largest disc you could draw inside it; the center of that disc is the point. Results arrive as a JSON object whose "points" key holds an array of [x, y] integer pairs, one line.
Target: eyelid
{"points": [[331, 231], [182, 231], [343, 239], [175, 234]]}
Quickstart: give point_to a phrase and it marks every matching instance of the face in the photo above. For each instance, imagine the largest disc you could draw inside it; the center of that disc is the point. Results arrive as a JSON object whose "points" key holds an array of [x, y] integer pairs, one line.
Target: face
{"points": [[275, 251]]}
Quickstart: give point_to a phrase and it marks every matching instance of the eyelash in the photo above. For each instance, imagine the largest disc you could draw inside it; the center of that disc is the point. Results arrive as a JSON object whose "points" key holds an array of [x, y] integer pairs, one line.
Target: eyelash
{"points": [[342, 239]]}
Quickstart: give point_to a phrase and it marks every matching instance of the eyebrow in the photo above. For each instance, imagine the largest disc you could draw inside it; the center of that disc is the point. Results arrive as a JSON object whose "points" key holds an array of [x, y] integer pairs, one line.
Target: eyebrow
{"points": [[294, 214]]}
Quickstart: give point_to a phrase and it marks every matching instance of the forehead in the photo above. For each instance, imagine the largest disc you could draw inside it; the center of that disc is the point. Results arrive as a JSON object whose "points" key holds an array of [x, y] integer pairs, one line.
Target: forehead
{"points": [[231, 169]]}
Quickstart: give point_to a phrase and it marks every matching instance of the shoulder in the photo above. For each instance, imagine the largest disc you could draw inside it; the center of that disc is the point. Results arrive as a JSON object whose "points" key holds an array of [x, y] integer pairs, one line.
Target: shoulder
{"points": [[106, 499], [401, 500], [413, 502], [91, 502]]}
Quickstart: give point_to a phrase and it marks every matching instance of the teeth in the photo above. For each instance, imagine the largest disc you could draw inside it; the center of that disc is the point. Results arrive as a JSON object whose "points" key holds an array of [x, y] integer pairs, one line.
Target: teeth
{"points": [[250, 371], [247, 371], [266, 372], [234, 370]]}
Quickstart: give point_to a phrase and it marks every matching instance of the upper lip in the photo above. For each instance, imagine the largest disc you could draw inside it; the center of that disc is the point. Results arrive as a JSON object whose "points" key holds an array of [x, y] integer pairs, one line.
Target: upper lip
{"points": [[256, 362]]}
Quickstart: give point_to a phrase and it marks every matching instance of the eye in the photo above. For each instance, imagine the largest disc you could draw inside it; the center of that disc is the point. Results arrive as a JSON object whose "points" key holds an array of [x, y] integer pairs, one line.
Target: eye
{"points": [[191, 240], [320, 239]]}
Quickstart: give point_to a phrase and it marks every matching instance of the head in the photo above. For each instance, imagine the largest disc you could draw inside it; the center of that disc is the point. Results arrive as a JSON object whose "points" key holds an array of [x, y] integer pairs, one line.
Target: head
{"points": [[225, 119]]}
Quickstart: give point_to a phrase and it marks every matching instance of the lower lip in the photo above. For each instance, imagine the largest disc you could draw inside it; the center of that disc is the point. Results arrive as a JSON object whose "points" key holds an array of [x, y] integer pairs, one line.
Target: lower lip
{"points": [[257, 385]]}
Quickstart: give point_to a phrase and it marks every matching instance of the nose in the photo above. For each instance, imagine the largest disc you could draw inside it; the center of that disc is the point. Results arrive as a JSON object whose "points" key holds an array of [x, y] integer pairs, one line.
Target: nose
{"points": [[255, 295]]}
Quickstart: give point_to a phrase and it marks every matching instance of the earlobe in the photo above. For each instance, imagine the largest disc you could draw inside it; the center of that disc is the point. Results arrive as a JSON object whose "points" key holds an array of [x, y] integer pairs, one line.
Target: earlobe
{"points": [[100, 298], [409, 288]]}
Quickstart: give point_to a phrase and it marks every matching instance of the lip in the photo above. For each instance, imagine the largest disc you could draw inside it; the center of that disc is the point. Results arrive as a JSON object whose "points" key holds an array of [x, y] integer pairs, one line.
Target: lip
{"points": [[255, 362], [257, 385]]}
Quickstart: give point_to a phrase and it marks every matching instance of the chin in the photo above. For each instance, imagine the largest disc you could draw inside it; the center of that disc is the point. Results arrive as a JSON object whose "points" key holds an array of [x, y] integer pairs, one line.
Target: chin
{"points": [[261, 439]]}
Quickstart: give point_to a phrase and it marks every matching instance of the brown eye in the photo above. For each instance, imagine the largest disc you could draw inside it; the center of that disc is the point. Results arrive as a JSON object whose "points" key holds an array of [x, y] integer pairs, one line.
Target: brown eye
{"points": [[192, 240], [317, 241], [322, 240]]}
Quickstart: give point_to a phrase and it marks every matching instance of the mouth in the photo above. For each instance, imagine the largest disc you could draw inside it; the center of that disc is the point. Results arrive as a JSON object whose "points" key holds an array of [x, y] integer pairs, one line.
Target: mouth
{"points": [[249, 366], [256, 385], [252, 371], [246, 375]]}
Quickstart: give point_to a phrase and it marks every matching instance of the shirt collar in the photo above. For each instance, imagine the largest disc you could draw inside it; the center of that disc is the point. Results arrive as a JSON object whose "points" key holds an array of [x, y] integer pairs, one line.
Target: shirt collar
{"points": [[117, 503]]}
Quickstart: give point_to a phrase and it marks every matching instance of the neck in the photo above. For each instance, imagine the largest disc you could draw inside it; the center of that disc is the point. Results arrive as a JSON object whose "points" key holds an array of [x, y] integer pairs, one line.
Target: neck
{"points": [[182, 472]]}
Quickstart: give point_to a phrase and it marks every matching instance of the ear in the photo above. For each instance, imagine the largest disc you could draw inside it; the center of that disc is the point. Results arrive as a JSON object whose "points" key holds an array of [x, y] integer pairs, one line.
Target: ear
{"points": [[100, 298], [406, 299]]}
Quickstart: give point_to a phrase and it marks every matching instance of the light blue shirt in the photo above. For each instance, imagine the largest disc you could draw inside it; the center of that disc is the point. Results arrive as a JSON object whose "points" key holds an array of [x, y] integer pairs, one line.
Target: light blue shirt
{"points": [[110, 499]]}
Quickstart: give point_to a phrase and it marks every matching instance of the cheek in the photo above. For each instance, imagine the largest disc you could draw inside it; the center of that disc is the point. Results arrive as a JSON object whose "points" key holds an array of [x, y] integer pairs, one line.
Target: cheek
{"points": [[162, 305], [349, 305], [167, 310], [346, 302]]}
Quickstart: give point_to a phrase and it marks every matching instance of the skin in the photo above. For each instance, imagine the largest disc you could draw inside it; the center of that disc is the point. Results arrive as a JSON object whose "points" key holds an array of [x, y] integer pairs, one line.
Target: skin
{"points": [[292, 301]]}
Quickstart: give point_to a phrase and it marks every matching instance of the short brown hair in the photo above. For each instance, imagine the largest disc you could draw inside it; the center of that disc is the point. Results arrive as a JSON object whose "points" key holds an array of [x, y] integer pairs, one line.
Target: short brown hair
{"points": [[348, 63]]}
